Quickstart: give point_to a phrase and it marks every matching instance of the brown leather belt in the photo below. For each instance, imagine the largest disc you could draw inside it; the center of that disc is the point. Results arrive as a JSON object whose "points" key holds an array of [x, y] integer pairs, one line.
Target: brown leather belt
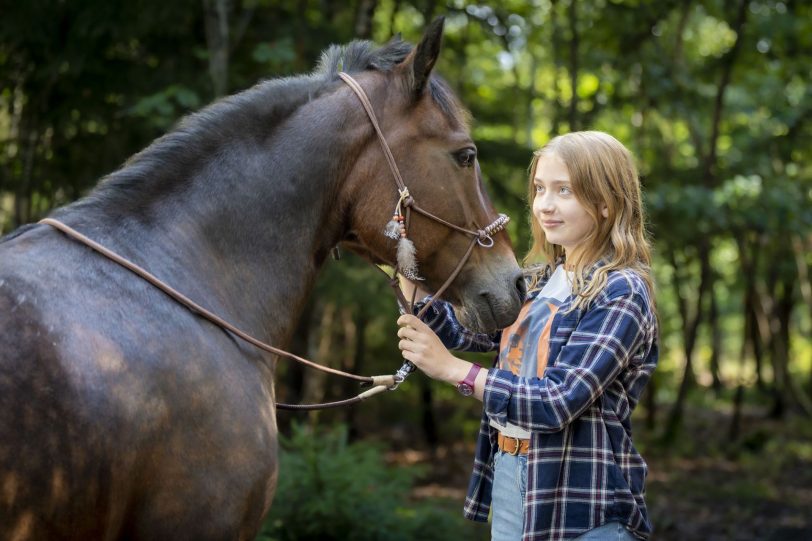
{"points": [[513, 446]]}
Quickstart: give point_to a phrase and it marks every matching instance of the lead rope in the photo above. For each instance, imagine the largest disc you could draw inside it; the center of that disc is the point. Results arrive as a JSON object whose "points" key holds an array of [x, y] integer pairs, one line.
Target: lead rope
{"points": [[379, 383]]}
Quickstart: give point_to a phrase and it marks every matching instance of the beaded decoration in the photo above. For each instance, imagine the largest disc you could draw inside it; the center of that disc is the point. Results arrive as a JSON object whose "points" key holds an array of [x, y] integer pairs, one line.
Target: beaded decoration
{"points": [[396, 230]]}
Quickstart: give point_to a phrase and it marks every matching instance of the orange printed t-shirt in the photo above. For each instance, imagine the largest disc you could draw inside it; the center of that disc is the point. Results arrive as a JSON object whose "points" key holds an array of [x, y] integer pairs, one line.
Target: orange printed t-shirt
{"points": [[525, 344]]}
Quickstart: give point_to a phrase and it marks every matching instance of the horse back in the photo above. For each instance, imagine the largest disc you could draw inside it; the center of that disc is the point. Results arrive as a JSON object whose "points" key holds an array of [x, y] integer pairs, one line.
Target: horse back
{"points": [[121, 415]]}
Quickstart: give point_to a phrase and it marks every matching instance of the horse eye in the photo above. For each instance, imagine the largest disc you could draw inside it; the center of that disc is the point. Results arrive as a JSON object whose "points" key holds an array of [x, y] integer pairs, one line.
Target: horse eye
{"points": [[465, 157]]}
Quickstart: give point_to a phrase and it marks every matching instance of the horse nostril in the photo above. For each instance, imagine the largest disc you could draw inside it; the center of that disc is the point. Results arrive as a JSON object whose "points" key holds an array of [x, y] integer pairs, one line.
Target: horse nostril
{"points": [[521, 286]]}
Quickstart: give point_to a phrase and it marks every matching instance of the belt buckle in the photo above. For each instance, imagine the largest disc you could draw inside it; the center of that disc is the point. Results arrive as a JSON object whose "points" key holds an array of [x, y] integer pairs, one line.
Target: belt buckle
{"points": [[518, 445]]}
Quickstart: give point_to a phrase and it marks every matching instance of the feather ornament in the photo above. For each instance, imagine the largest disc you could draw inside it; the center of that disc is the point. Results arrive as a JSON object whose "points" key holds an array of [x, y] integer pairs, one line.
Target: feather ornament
{"points": [[392, 229], [407, 259]]}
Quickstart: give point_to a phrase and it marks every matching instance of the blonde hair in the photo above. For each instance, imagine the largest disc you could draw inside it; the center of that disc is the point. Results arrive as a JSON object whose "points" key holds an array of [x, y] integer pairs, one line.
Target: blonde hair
{"points": [[602, 172]]}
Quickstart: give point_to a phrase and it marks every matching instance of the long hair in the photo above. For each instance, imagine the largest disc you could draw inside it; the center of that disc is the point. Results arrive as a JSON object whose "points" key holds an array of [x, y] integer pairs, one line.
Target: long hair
{"points": [[602, 173]]}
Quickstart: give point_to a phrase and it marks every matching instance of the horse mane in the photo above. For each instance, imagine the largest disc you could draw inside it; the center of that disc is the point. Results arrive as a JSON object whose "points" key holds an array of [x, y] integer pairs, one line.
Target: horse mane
{"points": [[361, 55], [201, 133]]}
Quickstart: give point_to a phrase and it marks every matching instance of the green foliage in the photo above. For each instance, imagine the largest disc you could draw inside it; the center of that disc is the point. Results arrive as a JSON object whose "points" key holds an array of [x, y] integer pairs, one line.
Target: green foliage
{"points": [[330, 489], [275, 54], [164, 107]]}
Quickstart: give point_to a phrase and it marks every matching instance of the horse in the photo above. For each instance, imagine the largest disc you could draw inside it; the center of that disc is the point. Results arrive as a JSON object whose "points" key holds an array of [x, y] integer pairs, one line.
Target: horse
{"points": [[124, 415]]}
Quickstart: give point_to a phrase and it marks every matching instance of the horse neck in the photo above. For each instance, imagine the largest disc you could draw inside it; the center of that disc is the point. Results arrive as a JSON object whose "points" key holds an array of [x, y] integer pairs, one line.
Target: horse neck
{"points": [[245, 225]]}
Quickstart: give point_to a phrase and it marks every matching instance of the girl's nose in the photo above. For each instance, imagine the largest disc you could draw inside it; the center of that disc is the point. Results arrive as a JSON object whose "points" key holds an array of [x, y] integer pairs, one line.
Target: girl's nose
{"points": [[545, 203]]}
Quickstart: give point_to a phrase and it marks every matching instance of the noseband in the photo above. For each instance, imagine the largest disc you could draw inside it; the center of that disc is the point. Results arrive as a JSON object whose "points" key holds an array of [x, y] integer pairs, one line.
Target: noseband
{"points": [[483, 237]]}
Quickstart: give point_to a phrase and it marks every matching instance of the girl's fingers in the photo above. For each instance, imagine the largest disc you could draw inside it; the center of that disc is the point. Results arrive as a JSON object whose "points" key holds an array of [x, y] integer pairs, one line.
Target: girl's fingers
{"points": [[408, 333], [410, 355], [411, 345], [411, 321], [411, 331], [405, 319], [415, 337]]}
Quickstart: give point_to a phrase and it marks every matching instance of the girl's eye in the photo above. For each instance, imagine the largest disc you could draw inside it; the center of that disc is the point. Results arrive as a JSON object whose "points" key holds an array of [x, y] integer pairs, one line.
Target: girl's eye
{"points": [[539, 188], [565, 190], [465, 157]]}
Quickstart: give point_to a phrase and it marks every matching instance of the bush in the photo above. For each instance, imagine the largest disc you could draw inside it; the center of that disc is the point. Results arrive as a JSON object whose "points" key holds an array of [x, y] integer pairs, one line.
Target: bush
{"points": [[331, 490]]}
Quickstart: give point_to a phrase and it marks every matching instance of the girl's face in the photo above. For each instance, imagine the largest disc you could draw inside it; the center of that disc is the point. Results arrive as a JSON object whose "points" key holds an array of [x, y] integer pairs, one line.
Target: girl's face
{"points": [[562, 217]]}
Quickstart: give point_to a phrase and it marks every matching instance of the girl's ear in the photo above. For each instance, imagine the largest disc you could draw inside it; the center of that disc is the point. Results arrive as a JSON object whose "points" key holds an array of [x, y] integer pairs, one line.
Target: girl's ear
{"points": [[605, 211]]}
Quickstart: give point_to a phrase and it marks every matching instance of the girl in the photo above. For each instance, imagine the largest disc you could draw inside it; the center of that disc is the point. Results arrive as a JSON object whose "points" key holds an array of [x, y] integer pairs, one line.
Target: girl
{"points": [[554, 457]]}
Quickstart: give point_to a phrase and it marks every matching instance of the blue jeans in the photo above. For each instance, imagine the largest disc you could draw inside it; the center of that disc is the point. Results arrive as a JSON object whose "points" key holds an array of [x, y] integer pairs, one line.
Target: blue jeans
{"points": [[509, 489], [507, 506]]}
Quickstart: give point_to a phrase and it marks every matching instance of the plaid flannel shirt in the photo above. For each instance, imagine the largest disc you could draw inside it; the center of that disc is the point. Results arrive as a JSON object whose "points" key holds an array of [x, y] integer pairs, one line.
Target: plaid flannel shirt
{"points": [[583, 469]]}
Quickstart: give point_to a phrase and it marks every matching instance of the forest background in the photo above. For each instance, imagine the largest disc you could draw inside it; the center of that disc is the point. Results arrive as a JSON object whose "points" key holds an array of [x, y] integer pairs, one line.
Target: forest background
{"points": [[713, 97]]}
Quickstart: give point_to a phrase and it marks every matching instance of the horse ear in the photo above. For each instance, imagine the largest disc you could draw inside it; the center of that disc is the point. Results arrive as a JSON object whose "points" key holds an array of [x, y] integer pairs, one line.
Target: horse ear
{"points": [[425, 55]]}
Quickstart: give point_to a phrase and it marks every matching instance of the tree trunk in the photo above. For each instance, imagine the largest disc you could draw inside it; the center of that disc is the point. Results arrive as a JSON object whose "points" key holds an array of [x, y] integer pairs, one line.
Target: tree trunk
{"points": [[690, 332], [682, 302], [785, 307], [217, 40], [395, 9], [290, 375], [316, 380], [528, 117], [363, 18], [728, 61], [778, 355], [805, 284], [428, 10], [716, 340], [355, 362], [555, 51], [574, 43], [768, 327], [429, 422], [735, 423], [650, 400], [23, 196], [751, 335], [757, 341], [746, 347]]}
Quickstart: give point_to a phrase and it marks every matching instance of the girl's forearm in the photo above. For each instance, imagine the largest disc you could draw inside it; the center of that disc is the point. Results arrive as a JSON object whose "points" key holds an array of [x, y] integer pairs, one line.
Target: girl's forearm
{"points": [[459, 371]]}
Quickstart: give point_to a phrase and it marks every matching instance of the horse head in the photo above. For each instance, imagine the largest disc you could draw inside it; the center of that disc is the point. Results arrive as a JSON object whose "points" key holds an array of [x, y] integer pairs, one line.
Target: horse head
{"points": [[428, 132]]}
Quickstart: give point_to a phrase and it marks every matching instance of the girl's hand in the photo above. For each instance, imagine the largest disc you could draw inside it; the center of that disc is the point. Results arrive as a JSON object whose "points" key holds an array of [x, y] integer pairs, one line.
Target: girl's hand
{"points": [[420, 345]]}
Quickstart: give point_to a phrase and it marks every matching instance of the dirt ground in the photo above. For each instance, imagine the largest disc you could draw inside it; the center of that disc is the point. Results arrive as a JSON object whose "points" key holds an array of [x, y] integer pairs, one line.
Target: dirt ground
{"points": [[757, 488]]}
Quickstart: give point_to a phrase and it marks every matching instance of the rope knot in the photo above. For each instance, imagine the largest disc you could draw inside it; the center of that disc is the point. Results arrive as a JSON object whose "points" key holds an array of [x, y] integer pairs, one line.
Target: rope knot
{"points": [[406, 198]]}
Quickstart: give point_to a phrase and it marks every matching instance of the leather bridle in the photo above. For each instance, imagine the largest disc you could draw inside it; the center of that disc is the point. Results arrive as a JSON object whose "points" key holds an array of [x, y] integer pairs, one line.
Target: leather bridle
{"points": [[483, 237]]}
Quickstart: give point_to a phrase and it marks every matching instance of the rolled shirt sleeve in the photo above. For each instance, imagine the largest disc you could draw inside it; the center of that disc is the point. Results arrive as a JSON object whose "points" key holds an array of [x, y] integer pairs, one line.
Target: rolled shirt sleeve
{"points": [[440, 317]]}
